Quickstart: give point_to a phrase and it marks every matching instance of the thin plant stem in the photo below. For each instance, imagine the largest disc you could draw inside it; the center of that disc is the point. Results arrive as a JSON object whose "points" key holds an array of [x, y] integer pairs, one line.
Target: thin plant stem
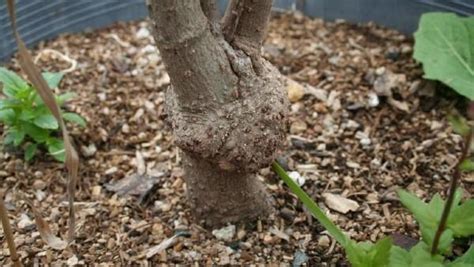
{"points": [[451, 193], [316, 211], [7, 230]]}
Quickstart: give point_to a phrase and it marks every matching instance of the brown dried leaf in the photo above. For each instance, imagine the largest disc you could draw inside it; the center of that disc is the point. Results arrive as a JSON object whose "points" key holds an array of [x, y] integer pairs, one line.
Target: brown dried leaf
{"points": [[33, 73]]}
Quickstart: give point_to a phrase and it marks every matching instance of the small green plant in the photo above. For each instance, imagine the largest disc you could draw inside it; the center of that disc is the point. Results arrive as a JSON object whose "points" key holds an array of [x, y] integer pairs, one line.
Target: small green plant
{"points": [[440, 222], [444, 44], [29, 123]]}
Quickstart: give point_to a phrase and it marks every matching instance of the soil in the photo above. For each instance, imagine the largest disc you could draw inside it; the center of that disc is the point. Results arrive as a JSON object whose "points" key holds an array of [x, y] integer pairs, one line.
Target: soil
{"points": [[366, 125]]}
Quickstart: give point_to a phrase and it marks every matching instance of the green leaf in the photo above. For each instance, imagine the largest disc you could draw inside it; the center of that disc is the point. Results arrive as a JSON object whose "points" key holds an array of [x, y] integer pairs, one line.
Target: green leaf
{"points": [[317, 213], [444, 44], [12, 83], [366, 254], [461, 219], [38, 134], [28, 115], [56, 149], [53, 78], [75, 118], [30, 151], [7, 116], [421, 257], [46, 121], [399, 257], [381, 252], [61, 99], [467, 165], [459, 124], [424, 214], [445, 242], [9, 138]]}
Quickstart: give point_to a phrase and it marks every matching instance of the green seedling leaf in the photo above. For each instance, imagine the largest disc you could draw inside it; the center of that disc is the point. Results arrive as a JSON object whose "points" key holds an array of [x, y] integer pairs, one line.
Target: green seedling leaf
{"points": [[444, 44], [445, 242], [75, 118], [366, 254], [30, 151], [38, 134], [65, 97], [459, 124], [467, 165], [317, 213], [461, 219], [425, 215], [56, 149], [46, 121], [53, 78], [421, 257], [7, 116], [399, 257], [12, 83], [28, 115]]}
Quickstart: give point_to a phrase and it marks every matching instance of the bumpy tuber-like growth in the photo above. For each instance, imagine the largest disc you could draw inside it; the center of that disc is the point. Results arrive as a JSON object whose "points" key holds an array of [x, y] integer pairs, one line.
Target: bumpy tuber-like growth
{"points": [[227, 106]]}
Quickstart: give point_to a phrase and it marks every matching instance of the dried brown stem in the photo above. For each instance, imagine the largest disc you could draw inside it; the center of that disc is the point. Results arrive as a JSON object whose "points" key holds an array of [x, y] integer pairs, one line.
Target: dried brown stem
{"points": [[451, 193], [8, 233]]}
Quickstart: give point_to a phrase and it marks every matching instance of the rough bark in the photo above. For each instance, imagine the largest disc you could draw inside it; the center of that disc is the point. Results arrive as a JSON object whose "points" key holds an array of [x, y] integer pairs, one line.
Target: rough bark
{"points": [[209, 7], [228, 116]]}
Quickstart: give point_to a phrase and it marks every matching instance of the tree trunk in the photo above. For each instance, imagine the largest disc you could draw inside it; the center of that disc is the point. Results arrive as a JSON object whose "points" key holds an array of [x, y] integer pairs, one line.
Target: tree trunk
{"points": [[226, 105]]}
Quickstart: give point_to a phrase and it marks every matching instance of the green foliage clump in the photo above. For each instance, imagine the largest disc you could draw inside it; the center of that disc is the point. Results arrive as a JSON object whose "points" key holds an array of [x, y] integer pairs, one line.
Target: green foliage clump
{"points": [[444, 44], [29, 123]]}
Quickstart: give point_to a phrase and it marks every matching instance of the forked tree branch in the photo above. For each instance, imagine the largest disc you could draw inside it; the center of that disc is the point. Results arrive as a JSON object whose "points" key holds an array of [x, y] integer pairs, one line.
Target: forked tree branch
{"points": [[253, 22], [231, 18], [195, 61], [209, 7]]}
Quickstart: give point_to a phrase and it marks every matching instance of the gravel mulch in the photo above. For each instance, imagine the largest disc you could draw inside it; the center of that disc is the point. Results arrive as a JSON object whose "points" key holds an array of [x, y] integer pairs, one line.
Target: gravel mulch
{"points": [[363, 124]]}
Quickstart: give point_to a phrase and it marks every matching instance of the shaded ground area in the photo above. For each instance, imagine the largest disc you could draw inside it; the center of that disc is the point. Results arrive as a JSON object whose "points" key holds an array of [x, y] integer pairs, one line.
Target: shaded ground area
{"points": [[363, 124]]}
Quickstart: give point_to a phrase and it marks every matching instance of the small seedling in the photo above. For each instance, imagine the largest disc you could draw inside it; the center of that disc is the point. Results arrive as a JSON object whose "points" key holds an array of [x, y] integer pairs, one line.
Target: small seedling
{"points": [[440, 222], [29, 123]]}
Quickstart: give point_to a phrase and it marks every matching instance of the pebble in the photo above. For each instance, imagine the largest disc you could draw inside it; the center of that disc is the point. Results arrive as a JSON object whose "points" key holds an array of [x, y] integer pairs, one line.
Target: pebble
{"points": [[295, 91], [39, 185], [89, 151], [3, 174], [298, 126], [297, 178], [268, 239], [324, 241], [225, 233], [25, 222], [142, 33], [373, 99]]}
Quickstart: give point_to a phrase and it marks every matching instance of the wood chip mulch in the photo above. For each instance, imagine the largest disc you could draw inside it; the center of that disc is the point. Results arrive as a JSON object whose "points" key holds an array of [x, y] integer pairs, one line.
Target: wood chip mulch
{"points": [[363, 124]]}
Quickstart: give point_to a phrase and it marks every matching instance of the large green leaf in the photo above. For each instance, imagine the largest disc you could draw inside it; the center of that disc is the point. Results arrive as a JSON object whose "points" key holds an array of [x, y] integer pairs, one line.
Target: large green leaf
{"points": [[444, 43], [12, 83]]}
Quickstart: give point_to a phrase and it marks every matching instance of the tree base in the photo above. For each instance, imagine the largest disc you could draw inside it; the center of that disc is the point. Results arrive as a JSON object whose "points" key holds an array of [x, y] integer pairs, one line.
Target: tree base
{"points": [[217, 197]]}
